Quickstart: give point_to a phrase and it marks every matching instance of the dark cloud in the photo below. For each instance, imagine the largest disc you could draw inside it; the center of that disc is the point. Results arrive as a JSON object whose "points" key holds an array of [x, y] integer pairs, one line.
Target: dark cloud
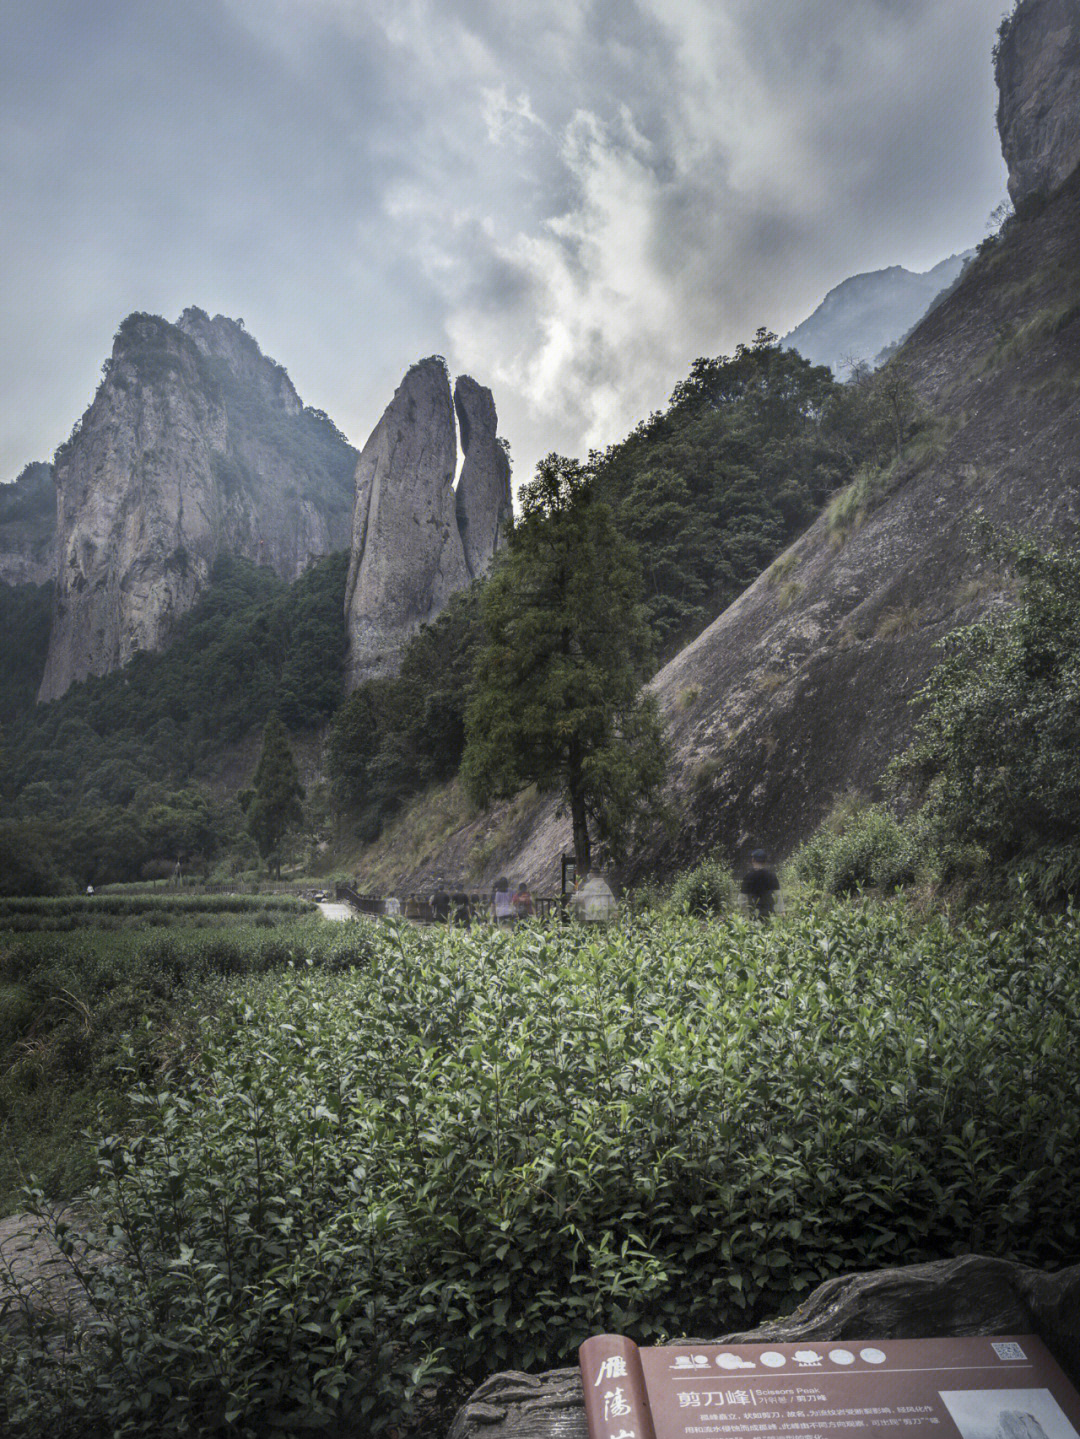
{"points": [[571, 200]]}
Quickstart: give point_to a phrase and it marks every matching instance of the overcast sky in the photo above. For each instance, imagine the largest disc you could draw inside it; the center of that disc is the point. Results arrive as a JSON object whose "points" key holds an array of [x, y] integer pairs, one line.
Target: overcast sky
{"points": [[570, 201]]}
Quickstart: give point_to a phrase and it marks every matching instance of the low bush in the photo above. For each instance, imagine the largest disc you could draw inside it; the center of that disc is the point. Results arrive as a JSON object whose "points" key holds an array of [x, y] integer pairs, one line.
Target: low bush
{"points": [[863, 848], [707, 889], [68, 1000], [475, 1151]]}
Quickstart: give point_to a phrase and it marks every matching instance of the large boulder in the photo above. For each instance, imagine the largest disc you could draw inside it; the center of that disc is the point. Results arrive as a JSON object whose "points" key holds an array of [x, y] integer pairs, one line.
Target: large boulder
{"points": [[947, 1299], [1038, 71]]}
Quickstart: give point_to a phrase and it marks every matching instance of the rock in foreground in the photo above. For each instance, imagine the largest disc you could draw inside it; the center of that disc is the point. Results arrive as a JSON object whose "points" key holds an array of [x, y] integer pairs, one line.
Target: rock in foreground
{"points": [[947, 1299]]}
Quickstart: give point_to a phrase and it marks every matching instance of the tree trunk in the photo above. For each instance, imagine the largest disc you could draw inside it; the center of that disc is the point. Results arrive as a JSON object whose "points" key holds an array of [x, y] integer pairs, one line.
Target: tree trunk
{"points": [[582, 855]]}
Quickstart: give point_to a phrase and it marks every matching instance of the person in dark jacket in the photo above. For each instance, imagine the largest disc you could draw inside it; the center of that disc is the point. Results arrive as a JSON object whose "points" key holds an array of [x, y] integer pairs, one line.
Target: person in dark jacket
{"points": [[760, 885]]}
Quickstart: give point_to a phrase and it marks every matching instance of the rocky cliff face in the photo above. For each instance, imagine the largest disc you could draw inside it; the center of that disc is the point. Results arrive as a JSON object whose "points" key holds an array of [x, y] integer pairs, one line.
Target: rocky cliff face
{"points": [[28, 528], [195, 444], [415, 543], [483, 493], [1038, 71]]}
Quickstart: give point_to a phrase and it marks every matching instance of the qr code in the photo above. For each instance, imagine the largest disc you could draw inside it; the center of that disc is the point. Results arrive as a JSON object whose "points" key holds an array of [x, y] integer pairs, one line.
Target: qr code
{"points": [[1009, 1351]]}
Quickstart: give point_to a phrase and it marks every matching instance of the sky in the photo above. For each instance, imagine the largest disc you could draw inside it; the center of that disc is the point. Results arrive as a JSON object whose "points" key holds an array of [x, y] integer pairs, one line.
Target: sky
{"points": [[570, 201]]}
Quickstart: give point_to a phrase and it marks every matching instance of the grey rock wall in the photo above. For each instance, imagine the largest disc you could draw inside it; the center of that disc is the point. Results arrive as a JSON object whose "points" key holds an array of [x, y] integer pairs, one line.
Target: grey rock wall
{"points": [[195, 444], [1038, 71], [28, 528], [415, 542], [483, 493]]}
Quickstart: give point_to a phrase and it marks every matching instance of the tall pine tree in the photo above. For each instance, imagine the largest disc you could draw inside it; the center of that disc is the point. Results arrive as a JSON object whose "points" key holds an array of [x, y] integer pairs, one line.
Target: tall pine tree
{"points": [[273, 804], [557, 697]]}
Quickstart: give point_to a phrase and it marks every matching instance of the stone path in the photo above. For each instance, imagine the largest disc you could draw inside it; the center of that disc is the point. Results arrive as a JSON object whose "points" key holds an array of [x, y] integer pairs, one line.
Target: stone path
{"points": [[332, 910], [35, 1274]]}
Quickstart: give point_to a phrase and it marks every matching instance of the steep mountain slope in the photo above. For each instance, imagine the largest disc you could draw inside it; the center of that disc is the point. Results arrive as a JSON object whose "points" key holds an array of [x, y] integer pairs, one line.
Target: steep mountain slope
{"points": [[195, 444], [800, 690], [28, 528], [864, 315]]}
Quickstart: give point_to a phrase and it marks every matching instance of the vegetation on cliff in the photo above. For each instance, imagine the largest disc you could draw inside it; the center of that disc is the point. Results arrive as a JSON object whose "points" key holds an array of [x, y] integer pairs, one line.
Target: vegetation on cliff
{"points": [[107, 778], [990, 784]]}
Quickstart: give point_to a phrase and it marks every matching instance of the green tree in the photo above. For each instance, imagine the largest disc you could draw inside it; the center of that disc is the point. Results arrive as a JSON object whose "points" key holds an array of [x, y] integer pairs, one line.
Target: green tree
{"points": [[557, 695], [996, 754], [273, 804]]}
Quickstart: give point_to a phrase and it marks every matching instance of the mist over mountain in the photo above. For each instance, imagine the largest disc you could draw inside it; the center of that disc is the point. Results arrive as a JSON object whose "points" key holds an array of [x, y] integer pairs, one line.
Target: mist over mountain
{"points": [[866, 314]]}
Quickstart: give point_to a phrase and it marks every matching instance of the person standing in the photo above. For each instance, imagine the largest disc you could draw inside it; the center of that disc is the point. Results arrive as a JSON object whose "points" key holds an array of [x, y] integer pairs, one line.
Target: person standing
{"points": [[760, 885]]}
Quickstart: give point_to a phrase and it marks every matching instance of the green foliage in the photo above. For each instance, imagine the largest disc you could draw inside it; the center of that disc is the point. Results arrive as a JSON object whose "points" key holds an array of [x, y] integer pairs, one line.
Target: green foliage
{"points": [[67, 1001], [706, 890], [468, 1154], [713, 488], [556, 692], [862, 847], [25, 622], [273, 805], [394, 737], [103, 781], [996, 755]]}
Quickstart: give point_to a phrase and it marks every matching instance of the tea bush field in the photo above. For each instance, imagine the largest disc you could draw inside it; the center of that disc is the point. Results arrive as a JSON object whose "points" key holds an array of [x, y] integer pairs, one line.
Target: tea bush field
{"points": [[83, 1011], [372, 1183]]}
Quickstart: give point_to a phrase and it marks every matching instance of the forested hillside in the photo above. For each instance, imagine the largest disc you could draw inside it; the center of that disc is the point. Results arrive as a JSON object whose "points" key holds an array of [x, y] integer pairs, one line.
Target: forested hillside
{"points": [[111, 776]]}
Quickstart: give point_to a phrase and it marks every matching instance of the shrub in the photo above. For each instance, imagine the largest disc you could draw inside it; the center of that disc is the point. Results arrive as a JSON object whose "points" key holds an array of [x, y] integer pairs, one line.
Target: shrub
{"points": [[864, 848], [707, 889], [471, 1154]]}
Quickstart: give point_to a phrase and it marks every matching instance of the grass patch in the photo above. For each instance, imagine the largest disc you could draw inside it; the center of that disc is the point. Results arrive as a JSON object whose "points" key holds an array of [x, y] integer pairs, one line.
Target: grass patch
{"points": [[113, 911]]}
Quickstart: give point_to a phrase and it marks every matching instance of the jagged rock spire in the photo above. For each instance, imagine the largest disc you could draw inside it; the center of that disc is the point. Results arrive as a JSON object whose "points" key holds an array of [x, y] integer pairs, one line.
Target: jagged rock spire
{"points": [[416, 543]]}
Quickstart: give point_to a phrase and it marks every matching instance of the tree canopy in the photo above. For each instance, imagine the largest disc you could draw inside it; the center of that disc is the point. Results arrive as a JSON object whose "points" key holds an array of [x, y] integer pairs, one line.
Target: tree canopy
{"points": [[996, 754], [273, 804], [557, 697]]}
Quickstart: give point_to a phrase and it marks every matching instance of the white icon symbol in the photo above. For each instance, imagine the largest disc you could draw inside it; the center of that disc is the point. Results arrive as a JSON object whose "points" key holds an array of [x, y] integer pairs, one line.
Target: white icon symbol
{"points": [[732, 1361], [772, 1359], [683, 1361], [841, 1356], [807, 1357], [872, 1356]]}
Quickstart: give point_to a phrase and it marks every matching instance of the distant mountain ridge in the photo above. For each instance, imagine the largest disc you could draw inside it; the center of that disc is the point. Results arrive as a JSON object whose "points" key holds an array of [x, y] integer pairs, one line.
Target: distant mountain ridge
{"points": [[868, 313]]}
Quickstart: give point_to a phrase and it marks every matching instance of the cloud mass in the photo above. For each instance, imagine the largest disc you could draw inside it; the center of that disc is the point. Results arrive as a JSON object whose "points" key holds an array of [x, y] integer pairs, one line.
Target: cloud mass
{"points": [[570, 200]]}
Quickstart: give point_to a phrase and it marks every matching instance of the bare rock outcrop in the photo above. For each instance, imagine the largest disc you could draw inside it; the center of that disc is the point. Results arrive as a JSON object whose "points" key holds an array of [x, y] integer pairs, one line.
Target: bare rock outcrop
{"points": [[948, 1299], [28, 528], [195, 444], [483, 492], [416, 543], [1038, 71]]}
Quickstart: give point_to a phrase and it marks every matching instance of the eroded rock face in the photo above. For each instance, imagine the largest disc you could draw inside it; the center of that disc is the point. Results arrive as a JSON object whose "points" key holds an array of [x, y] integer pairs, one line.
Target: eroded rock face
{"points": [[948, 1299], [195, 444], [483, 492], [416, 543], [1038, 70]]}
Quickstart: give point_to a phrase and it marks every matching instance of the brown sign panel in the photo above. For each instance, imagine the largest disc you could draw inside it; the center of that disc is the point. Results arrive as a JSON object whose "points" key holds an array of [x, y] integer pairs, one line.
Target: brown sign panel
{"points": [[999, 1387]]}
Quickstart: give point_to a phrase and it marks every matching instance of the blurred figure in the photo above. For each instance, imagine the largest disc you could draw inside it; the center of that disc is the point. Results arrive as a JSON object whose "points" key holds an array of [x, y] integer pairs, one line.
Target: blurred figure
{"points": [[760, 885], [523, 902], [502, 902]]}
